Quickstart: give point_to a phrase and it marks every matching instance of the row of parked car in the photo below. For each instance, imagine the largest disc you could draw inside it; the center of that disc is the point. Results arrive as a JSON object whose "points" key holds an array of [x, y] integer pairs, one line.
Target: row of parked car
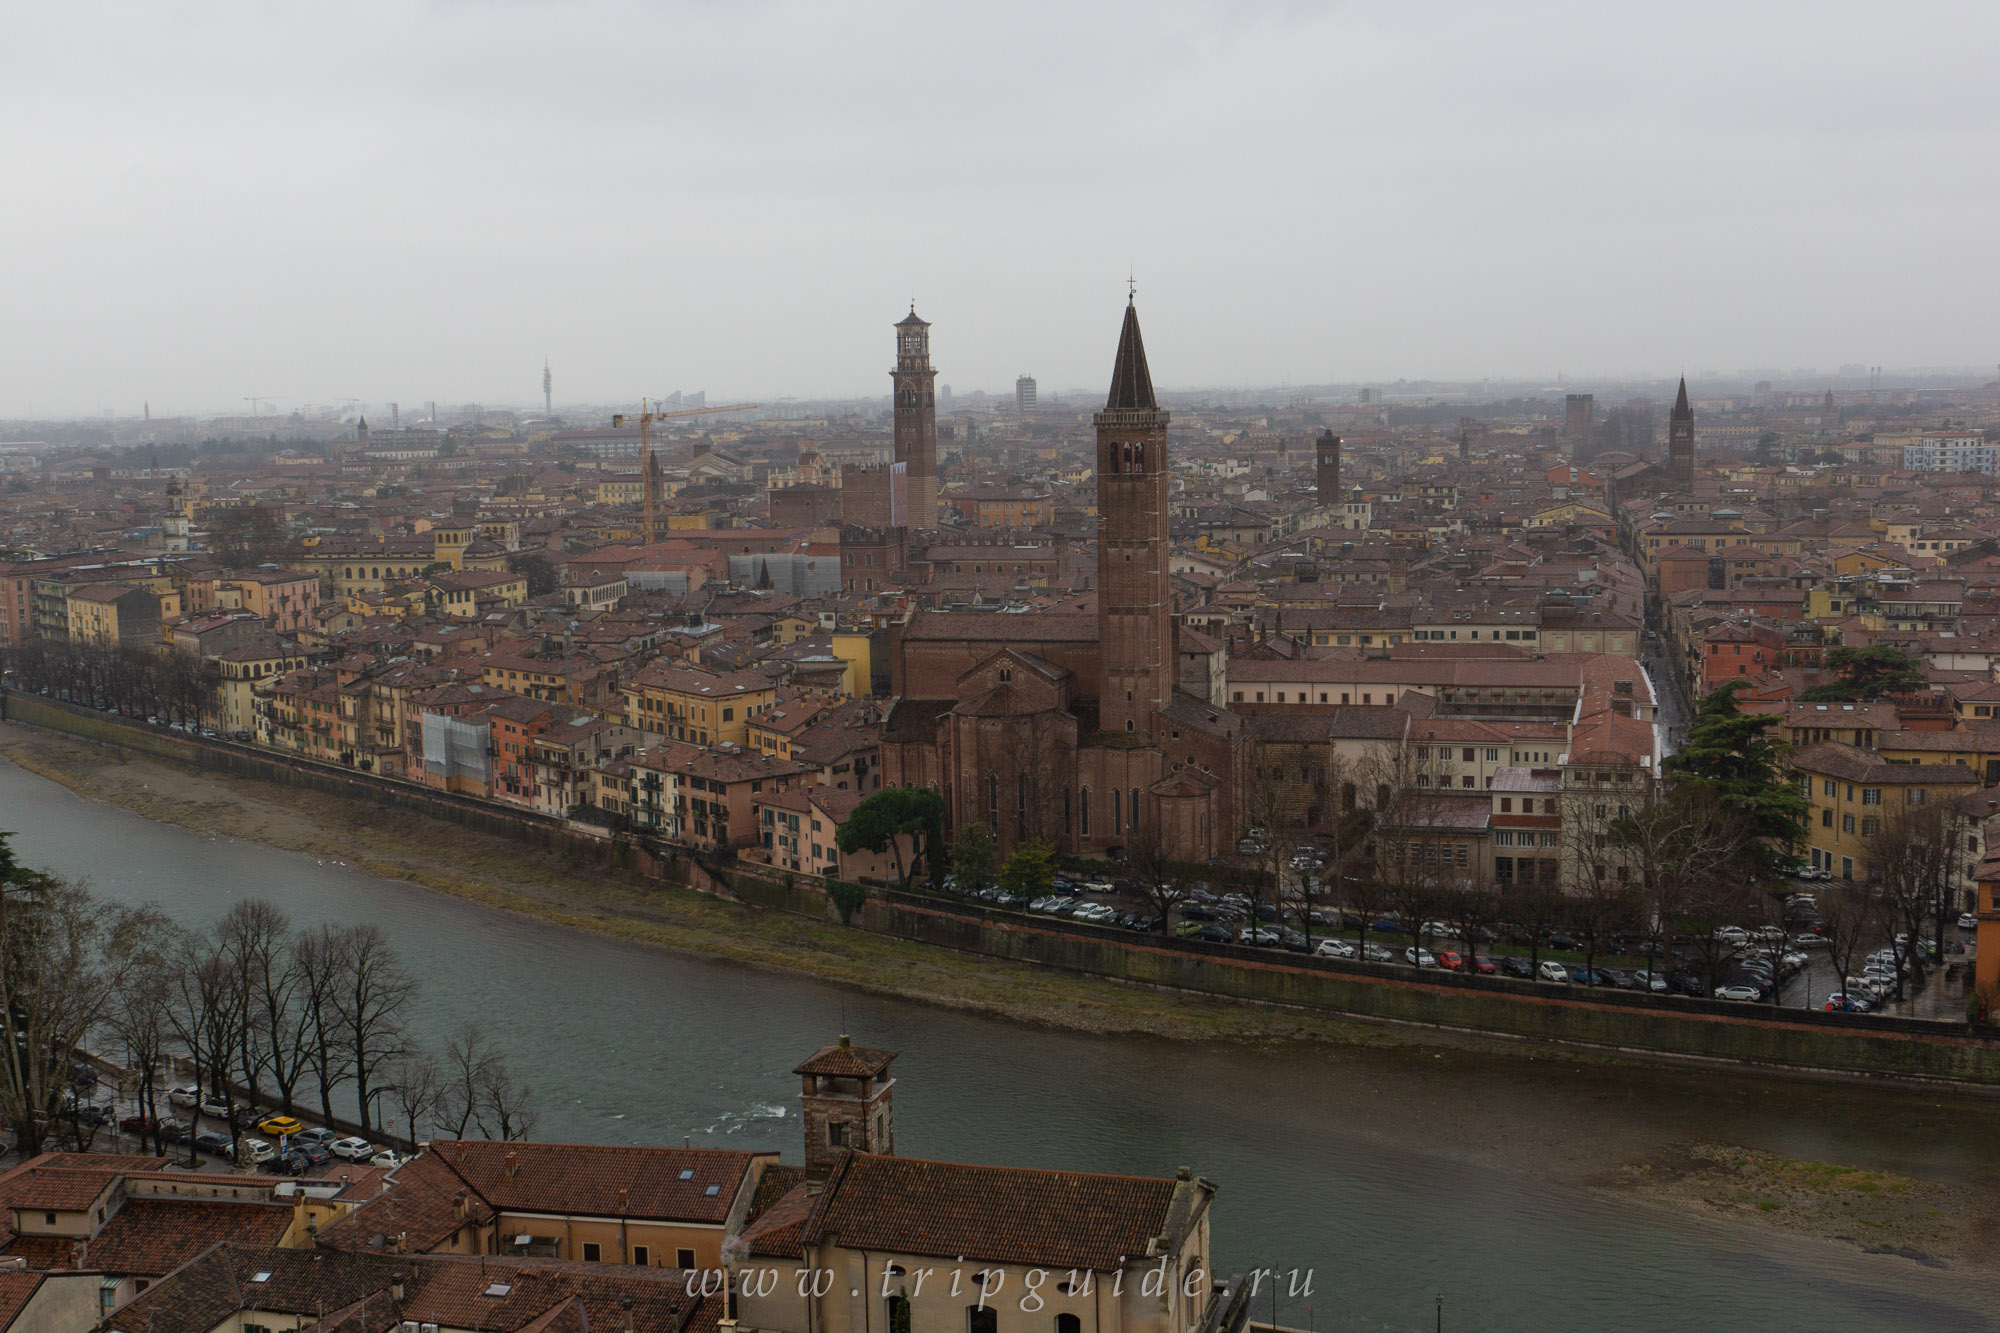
{"points": [[299, 1147]]}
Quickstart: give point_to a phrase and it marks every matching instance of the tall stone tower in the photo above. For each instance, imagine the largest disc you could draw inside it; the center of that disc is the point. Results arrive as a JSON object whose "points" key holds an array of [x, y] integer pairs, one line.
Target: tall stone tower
{"points": [[548, 390], [915, 385], [1680, 441], [1327, 473], [1134, 595], [1578, 411], [846, 1102]]}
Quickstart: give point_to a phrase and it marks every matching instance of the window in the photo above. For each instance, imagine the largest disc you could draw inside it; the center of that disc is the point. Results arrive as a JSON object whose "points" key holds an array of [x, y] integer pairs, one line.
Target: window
{"points": [[1083, 811], [1847, 823], [1916, 796], [1870, 826], [1871, 796], [836, 1133], [1830, 789], [684, 1258], [979, 1320], [1068, 1323]]}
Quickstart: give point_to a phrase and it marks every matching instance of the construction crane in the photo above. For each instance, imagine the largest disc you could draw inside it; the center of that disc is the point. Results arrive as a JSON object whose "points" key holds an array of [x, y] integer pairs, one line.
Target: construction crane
{"points": [[649, 466], [254, 399]]}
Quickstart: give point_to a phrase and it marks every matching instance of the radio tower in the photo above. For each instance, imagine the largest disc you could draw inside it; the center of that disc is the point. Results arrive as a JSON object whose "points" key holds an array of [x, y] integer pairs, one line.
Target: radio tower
{"points": [[548, 390]]}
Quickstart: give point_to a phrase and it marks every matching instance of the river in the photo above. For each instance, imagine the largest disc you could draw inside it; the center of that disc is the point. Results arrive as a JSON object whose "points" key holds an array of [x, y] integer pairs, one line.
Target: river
{"points": [[1392, 1174]]}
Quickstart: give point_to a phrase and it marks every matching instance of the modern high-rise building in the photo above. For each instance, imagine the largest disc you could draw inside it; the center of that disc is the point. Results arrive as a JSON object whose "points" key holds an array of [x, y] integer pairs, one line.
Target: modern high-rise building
{"points": [[915, 385], [1680, 441], [1024, 394], [1135, 596], [1326, 473]]}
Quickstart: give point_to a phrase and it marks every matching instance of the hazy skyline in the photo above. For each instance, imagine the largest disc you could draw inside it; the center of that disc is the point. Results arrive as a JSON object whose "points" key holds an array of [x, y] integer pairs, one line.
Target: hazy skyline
{"points": [[409, 202]]}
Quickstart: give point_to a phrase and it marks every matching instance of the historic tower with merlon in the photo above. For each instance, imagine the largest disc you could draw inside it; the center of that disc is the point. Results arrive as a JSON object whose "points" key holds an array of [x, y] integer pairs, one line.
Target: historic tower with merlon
{"points": [[1134, 595], [1326, 477], [915, 386], [1680, 441]]}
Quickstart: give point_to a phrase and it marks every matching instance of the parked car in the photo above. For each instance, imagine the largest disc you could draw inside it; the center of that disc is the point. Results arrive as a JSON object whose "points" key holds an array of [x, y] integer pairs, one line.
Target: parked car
{"points": [[1334, 949], [1378, 953], [1516, 967], [1968, 921], [213, 1105], [1451, 960], [1651, 982], [386, 1158], [138, 1124], [1216, 935], [1738, 993], [1617, 977], [352, 1150], [1553, 971], [174, 1131], [314, 1135], [314, 1153], [216, 1142], [291, 1164], [278, 1126], [1417, 957], [188, 1095], [259, 1150]]}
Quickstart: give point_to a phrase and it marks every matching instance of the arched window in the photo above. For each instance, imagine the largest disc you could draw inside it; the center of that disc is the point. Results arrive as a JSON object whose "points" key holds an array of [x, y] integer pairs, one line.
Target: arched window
{"points": [[1083, 811], [1068, 1323]]}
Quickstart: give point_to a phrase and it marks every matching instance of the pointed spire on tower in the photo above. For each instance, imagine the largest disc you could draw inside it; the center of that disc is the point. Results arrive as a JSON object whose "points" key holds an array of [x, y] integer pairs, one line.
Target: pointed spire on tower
{"points": [[1681, 408], [1131, 380]]}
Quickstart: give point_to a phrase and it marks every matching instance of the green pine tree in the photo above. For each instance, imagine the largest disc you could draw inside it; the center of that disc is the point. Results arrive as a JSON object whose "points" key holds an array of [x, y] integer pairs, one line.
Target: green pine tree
{"points": [[1733, 754]]}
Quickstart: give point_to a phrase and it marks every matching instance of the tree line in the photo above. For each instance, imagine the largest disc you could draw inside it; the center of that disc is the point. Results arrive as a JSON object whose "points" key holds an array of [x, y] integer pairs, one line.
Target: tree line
{"points": [[266, 1014]]}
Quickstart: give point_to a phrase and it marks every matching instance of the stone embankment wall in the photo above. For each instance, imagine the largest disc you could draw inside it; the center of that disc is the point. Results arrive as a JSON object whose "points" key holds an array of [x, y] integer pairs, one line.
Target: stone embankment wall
{"points": [[1615, 1020]]}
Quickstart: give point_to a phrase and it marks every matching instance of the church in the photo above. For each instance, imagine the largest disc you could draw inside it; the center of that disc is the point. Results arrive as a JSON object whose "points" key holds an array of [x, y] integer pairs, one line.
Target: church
{"points": [[1070, 726]]}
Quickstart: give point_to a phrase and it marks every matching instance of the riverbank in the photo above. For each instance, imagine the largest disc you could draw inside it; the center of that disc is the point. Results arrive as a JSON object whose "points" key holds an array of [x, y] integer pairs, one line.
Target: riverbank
{"points": [[1447, 1134], [502, 873]]}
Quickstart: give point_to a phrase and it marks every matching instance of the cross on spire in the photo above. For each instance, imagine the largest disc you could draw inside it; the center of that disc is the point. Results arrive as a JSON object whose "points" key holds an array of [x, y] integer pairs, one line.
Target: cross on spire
{"points": [[1131, 288]]}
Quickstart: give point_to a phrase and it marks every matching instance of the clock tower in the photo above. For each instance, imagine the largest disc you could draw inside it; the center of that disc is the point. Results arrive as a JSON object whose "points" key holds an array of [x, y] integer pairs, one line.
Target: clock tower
{"points": [[915, 387]]}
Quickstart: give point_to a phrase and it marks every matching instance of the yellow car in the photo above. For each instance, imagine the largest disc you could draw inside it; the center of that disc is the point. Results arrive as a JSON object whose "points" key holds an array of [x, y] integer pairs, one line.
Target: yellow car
{"points": [[279, 1125]]}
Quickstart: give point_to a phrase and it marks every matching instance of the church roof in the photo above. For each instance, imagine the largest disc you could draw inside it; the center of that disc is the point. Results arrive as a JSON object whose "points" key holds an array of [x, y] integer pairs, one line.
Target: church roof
{"points": [[911, 319], [1131, 380], [1681, 408]]}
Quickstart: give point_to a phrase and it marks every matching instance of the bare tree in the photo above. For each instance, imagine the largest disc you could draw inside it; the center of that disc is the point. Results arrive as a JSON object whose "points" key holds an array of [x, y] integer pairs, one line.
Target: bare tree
{"points": [[1849, 914], [320, 954], [478, 1090], [142, 1021], [372, 996], [418, 1087], [207, 1014], [1165, 880], [254, 936], [65, 957], [1913, 857]]}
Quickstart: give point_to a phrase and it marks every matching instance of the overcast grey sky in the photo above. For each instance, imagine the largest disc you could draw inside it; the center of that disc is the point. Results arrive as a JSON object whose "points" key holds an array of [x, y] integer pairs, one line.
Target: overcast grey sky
{"points": [[417, 202]]}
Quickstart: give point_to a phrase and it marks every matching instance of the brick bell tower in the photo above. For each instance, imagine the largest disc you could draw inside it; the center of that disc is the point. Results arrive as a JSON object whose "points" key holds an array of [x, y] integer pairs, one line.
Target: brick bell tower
{"points": [[1134, 595], [1680, 441], [1326, 476], [915, 387], [847, 1103]]}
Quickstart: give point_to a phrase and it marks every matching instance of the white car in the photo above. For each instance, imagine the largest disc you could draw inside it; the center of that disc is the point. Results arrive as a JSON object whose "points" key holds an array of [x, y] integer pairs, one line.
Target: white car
{"points": [[1737, 993], [1334, 949], [215, 1106], [1649, 981], [387, 1158], [188, 1094], [1419, 957], [353, 1150], [259, 1150], [1553, 971], [1968, 921]]}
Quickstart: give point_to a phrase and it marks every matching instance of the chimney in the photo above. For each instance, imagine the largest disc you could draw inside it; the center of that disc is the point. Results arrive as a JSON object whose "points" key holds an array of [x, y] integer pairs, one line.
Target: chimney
{"points": [[397, 1288], [461, 1208], [513, 1164], [624, 1198], [844, 1042]]}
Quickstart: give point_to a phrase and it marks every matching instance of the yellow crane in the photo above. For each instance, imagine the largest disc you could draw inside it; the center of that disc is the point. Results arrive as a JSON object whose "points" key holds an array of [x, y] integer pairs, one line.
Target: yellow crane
{"points": [[649, 467]]}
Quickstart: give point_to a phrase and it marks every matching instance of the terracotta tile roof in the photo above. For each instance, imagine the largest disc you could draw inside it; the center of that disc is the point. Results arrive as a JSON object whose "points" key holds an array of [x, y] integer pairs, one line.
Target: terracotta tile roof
{"points": [[1051, 1219], [422, 1206], [589, 1180], [153, 1237], [58, 1189], [845, 1061], [778, 1230], [16, 1290]]}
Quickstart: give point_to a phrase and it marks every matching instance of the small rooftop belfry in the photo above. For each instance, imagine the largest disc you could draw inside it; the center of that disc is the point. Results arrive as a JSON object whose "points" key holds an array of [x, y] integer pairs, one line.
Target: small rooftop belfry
{"points": [[846, 1100]]}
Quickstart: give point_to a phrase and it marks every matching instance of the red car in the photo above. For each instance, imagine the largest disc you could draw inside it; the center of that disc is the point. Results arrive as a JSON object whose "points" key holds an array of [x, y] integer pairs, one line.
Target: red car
{"points": [[1484, 966], [1450, 961]]}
